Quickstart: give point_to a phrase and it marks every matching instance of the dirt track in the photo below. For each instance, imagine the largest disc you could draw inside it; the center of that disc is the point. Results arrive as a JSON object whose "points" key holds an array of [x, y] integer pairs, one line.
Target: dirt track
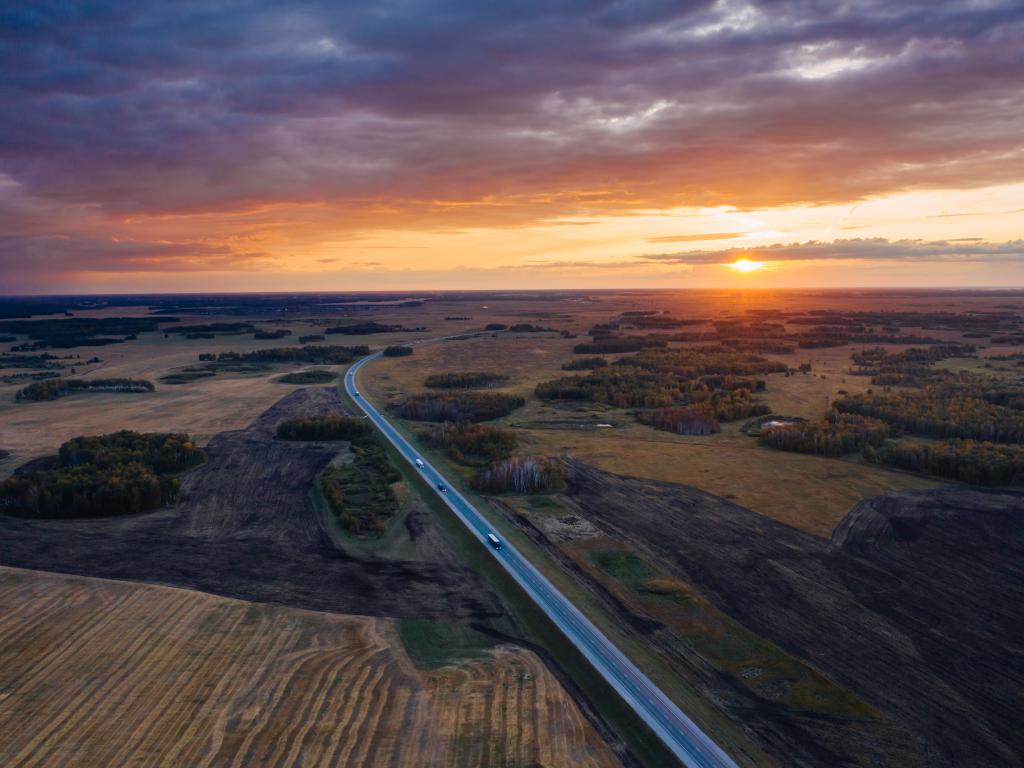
{"points": [[914, 605], [247, 529]]}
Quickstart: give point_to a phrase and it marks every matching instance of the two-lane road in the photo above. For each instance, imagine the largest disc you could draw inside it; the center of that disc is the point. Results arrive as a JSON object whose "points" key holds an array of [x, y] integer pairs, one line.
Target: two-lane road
{"points": [[679, 733]]}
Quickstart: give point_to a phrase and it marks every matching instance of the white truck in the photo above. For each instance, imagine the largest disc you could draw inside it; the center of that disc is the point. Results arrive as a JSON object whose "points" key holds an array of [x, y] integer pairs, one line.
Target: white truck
{"points": [[494, 541], [419, 463]]}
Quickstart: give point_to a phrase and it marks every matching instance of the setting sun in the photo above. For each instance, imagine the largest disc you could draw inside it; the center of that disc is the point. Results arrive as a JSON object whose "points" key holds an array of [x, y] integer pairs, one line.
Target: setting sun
{"points": [[746, 265]]}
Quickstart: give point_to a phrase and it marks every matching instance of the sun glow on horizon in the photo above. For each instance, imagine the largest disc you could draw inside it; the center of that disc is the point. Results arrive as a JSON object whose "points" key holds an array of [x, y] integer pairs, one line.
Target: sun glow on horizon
{"points": [[746, 265]]}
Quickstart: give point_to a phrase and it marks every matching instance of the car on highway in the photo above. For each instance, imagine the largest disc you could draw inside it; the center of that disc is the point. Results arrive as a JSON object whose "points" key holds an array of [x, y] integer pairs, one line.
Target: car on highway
{"points": [[442, 488]]}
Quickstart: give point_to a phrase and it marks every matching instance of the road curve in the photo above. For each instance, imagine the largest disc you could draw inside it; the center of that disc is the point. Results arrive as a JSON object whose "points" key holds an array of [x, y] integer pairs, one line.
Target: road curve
{"points": [[679, 733]]}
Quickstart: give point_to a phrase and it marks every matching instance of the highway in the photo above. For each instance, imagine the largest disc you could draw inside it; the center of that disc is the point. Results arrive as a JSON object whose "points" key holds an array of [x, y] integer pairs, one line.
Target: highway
{"points": [[679, 733]]}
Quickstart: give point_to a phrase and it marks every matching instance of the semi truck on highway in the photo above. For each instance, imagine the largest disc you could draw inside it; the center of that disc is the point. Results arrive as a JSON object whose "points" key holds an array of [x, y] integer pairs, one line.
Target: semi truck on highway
{"points": [[494, 541], [419, 463]]}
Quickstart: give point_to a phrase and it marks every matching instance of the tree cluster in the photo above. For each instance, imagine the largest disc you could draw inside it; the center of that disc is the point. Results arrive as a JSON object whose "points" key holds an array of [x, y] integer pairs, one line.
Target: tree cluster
{"points": [[398, 350], [688, 420], [163, 452], [603, 345], [472, 444], [313, 355], [312, 376], [365, 328], [585, 364], [117, 474], [530, 328], [464, 380], [457, 407], [51, 389], [837, 435], [80, 331], [946, 410], [665, 378], [910, 368], [212, 329], [521, 474], [324, 428], [360, 494], [44, 361], [279, 333], [703, 361], [970, 461]]}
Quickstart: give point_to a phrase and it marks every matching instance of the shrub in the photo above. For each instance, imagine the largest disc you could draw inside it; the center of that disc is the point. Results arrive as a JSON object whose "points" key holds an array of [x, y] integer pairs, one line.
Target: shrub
{"points": [[495, 327], [529, 474]]}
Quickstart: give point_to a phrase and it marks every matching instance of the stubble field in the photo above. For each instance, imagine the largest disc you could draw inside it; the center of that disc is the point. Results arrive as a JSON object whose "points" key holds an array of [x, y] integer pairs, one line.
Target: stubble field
{"points": [[102, 673]]}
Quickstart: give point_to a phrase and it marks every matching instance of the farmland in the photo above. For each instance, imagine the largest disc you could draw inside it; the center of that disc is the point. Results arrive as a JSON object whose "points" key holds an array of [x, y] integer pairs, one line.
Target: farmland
{"points": [[95, 672], [745, 575]]}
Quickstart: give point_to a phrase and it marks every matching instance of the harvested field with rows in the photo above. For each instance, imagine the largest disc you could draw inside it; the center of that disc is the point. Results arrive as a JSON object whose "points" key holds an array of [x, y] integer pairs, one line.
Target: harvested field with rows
{"points": [[103, 673]]}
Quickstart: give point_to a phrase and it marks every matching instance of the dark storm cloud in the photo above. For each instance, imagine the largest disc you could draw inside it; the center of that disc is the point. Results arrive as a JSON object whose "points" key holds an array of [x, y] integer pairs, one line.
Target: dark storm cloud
{"points": [[149, 108], [871, 249]]}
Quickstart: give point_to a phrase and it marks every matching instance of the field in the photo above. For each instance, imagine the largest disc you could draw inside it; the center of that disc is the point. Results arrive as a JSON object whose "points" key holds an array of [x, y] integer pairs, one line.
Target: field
{"points": [[859, 609], [203, 408], [792, 604], [94, 672], [804, 491], [247, 528]]}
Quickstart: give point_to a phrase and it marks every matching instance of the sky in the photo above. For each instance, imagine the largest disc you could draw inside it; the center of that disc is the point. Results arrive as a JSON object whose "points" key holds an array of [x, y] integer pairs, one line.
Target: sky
{"points": [[397, 145]]}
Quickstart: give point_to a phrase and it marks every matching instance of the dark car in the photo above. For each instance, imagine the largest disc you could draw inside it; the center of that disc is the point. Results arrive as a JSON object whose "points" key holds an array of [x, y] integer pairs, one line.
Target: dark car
{"points": [[441, 487]]}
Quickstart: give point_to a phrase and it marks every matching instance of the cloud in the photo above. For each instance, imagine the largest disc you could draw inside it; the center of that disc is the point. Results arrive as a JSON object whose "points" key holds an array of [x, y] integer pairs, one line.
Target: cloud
{"points": [[869, 249], [696, 238], [435, 115], [22, 257]]}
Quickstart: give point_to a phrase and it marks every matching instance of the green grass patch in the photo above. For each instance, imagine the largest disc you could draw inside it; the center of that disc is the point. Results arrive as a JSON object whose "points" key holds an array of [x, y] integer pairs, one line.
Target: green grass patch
{"points": [[621, 566], [756, 663], [434, 644]]}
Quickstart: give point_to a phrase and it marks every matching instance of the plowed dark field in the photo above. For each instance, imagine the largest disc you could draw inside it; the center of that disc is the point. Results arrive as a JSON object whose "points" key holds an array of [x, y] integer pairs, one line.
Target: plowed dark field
{"points": [[914, 605], [246, 528]]}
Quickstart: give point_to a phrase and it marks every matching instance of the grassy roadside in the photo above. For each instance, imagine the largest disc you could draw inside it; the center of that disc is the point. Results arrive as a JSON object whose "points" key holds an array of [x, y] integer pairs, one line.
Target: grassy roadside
{"points": [[640, 740]]}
